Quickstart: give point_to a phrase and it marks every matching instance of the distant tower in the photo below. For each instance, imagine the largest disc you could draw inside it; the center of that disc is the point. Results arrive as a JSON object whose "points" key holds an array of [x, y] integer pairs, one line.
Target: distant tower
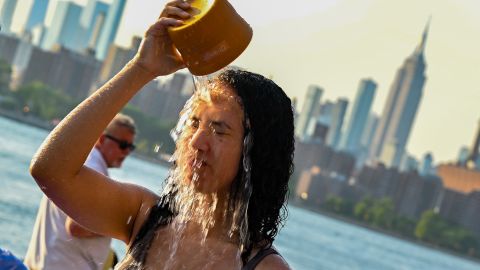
{"points": [[336, 122], [37, 14], [473, 161], [65, 27], [463, 155], [325, 113], [370, 130], [357, 120], [310, 110], [427, 165], [92, 21], [110, 28], [7, 9], [390, 141], [474, 151]]}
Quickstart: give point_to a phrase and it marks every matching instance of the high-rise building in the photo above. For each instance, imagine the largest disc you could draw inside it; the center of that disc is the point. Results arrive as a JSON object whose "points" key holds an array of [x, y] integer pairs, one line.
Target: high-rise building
{"points": [[92, 21], [116, 59], [427, 165], [65, 26], [7, 9], [358, 116], [325, 113], [310, 110], [8, 47], [390, 142], [475, 149], [37, 14], [370, 130], [463, 154], [336, 122], [176, 96], [110, 28]]}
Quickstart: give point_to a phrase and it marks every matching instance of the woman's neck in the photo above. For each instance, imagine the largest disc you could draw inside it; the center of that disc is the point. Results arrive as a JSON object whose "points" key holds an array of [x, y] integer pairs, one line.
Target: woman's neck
{"points": [[207, 216]]}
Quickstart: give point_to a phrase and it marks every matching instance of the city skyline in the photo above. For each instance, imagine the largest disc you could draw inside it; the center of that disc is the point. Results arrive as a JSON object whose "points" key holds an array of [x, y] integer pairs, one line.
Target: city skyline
{"points": [[337, 43]]}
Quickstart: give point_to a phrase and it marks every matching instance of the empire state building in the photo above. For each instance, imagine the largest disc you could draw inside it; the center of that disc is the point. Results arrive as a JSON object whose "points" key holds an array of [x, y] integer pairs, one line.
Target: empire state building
{"points": [[391, 137]]}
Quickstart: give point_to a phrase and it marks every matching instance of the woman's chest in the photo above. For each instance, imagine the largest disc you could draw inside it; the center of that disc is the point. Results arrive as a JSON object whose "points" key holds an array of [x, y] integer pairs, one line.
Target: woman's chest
{"points": [[174, 250]]}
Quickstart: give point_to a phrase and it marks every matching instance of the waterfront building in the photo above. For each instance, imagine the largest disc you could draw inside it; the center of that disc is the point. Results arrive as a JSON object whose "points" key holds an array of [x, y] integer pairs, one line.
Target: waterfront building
{"points": [[69, 72], [408, 164], [411, 193], [315, 187], [178, 90], [8, 47], [116, 59], [460, 200]]}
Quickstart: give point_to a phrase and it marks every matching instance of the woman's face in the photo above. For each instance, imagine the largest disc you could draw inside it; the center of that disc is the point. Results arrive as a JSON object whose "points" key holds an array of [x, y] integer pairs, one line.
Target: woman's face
{"points": [[212, 142]]}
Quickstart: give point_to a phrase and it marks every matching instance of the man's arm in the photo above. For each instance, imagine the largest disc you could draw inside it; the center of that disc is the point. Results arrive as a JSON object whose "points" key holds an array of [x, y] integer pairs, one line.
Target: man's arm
{"points": [[76, 230]]}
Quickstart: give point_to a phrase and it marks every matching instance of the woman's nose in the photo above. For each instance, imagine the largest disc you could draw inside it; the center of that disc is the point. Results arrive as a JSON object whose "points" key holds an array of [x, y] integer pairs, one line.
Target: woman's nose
{"points": [[200, 139]]}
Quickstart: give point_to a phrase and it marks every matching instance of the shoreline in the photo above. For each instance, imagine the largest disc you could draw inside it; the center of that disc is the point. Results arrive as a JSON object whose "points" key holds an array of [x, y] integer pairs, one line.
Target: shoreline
{"points": [[38, 123], [383, 231], [26, 119]]}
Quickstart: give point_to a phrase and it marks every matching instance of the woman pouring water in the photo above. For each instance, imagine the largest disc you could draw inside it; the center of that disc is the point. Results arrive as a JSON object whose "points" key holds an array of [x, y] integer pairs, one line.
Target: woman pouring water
{"points": [[224, 199]]}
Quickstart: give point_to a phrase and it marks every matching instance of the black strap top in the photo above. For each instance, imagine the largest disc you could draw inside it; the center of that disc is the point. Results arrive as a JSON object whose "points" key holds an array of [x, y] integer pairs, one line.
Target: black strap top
{"points": [[250, 265]]}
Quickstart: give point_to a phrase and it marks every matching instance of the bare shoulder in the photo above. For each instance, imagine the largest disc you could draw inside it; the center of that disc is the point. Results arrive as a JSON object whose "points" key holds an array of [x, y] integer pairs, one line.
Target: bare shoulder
{"points": [[272, 262], [148, 200]]}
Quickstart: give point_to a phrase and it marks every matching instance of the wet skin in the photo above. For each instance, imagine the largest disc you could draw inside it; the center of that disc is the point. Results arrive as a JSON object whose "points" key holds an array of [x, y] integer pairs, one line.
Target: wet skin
{"points": [[211, 145]]}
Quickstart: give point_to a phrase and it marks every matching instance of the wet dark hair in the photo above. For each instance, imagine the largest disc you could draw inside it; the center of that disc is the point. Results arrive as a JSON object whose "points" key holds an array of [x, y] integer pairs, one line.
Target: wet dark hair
{"points": [[270, 116]]}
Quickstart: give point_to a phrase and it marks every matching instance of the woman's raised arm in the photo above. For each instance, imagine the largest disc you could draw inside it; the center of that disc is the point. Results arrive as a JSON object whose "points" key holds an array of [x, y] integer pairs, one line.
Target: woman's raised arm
{"points": [[104, 206]]}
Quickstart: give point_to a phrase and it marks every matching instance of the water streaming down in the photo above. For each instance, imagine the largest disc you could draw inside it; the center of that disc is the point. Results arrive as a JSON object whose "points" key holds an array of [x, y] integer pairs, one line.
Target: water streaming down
{"points": [[181, 189]]}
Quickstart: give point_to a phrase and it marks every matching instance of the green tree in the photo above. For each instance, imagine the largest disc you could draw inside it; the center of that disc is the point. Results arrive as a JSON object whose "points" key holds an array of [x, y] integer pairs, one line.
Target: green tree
{"points": [[433, 229], [338, 205], [43, 101], [404, 226], [430, 227], [382, 213], [361, 210]]}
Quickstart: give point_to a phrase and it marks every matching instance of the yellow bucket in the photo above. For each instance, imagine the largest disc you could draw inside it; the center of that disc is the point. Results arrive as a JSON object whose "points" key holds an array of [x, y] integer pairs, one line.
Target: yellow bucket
{"points": [[212, 38]]}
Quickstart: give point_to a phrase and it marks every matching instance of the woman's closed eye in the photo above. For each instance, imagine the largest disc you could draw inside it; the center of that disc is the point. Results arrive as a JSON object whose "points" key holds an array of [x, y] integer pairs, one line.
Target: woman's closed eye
{"points": [[219, 128], [215, 127]]}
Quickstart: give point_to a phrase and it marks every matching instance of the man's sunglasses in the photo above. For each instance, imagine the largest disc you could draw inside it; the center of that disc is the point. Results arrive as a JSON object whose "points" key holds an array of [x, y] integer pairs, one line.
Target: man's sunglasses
{"points": [[121, 144]]}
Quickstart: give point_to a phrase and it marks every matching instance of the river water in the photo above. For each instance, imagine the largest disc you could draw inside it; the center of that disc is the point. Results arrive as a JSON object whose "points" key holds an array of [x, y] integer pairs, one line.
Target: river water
{"points": [[308, 241]]}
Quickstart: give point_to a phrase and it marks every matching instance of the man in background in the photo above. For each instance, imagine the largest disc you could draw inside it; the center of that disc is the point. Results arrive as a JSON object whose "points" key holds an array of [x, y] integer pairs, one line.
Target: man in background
{"points": [[58, 242]]}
